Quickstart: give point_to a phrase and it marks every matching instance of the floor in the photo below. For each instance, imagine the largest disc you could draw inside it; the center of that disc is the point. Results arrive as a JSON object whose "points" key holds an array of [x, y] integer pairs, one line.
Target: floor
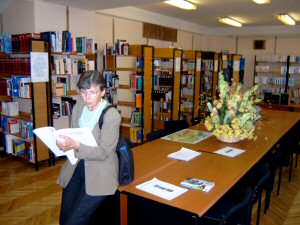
{"points": [[33, 197]]}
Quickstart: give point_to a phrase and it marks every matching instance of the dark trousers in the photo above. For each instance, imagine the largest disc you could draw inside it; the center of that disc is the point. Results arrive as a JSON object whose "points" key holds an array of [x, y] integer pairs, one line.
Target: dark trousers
{"points": [[77, 207]]}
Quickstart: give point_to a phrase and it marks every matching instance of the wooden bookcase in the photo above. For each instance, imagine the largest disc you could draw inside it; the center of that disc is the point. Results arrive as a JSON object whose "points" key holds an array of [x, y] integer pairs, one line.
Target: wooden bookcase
{"points": [[33, 103], [208, 80], [66, 69], [190, 84], [230, 65], [130, 78], [166, 87]]}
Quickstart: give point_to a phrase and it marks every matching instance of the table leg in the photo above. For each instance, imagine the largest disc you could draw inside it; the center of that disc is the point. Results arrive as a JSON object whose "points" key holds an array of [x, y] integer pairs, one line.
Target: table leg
{"points": [[123, 209]]}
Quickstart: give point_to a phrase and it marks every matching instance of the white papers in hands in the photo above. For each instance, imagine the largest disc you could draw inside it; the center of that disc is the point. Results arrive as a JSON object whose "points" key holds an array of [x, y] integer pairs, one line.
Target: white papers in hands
{"points": [[184, 154], [161, 189], [229, 151], [48, 135]]}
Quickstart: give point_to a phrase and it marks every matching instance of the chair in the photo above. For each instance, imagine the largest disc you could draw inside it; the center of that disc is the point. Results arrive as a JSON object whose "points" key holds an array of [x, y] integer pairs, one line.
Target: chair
{"points": [[234, 208], [172, 126], [291, 143], [196, 121], [156, 134], [260, 182]]}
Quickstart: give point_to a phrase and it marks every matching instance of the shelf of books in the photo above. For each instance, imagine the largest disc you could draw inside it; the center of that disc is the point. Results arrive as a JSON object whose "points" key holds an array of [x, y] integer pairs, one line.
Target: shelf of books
{"points": [[294, 79], [70, 58], [128, 76], [166, 86], [190, 84], [271, 73], [278, 78], [230, 64], [24, 102], [208, 79]]}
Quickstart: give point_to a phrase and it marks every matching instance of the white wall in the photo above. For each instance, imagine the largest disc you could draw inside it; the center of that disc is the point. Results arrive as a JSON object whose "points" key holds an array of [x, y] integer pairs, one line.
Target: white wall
{"points": [[18, 18], [184, 40], [129, 30], [49, 17], [82, 23]]}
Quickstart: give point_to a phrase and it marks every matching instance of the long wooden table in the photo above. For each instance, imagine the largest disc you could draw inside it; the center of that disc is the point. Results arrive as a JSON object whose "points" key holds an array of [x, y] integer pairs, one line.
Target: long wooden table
{"points": [[151, 161]]}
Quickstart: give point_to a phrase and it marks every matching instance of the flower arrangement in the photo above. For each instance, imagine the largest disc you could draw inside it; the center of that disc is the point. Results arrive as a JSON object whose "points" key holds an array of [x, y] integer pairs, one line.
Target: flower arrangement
{"points": [[232, 116]]}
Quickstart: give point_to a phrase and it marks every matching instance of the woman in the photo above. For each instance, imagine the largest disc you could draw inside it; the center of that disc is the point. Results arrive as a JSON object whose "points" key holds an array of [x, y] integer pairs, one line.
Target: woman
{"points": [[86, 184]]}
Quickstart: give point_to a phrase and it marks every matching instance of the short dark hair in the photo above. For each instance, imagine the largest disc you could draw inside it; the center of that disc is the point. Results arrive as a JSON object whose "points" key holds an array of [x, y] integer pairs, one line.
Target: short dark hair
{"points": [[90, 78]]}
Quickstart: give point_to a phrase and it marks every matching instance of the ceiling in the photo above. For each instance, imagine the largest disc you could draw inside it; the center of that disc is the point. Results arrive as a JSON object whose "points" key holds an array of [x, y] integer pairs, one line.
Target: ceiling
{"points": [[207, 12]]}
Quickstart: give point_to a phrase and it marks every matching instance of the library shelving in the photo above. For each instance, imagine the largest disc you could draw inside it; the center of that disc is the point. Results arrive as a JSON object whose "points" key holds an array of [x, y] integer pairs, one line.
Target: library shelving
{"points": [[278, 77], [129, 82], [209, 79], [166, 86], [294, 79], [190, 85], [66, 69], [271, 72], [25, 103], [232, 67]]}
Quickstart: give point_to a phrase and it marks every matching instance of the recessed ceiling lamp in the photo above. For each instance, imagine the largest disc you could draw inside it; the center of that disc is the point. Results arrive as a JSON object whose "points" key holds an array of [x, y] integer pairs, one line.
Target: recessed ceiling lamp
{"points": [[285, 18], [230, 22], [182, 4], [262, 1]]}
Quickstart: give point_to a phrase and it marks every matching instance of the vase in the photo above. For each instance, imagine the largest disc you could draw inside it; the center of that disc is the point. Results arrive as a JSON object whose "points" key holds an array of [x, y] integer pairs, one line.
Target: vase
{"points": [[229, 139]]}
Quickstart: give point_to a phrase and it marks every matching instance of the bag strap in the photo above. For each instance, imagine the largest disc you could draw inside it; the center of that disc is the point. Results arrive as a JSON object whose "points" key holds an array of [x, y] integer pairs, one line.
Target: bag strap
{"points": [[100, 122]]}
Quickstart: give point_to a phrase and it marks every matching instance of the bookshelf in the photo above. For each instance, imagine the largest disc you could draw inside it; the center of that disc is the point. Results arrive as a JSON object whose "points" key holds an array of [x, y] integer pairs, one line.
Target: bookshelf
{"points": [[166, 86], [190, 85], [66, 69], [278, 78], [271, 73], [25, 105], [208, 79], [129, 82], [230, 64], [293, 87]]}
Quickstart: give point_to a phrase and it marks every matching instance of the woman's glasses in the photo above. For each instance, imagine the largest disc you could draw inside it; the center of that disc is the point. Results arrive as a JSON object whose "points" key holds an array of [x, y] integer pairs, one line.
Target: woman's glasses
{"points": [[91, 94]]}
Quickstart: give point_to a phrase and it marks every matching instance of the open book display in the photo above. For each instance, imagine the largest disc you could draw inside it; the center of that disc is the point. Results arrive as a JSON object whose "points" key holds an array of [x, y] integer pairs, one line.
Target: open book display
{"points": [[48, 135], [188, 136]]}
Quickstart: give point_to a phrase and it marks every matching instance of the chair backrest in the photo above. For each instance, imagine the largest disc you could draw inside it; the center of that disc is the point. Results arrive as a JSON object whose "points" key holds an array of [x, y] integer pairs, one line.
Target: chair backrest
{"points": [[172, 126], [241, 212], [156, 134]]}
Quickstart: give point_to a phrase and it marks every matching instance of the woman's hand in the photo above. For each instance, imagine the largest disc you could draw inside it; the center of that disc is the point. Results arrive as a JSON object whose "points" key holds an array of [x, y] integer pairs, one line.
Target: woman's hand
{"points": [[66, 143]]}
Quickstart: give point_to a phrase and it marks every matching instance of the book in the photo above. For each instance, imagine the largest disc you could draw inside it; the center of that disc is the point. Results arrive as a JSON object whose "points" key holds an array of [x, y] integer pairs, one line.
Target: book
{"points": [[48, 135], [197, 184]]}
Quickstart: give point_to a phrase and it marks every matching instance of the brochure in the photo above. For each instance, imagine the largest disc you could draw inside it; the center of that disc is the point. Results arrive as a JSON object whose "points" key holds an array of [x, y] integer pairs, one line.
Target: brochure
{"points": [[161, 189], [229, 151], [184, 154], [197, 184]]}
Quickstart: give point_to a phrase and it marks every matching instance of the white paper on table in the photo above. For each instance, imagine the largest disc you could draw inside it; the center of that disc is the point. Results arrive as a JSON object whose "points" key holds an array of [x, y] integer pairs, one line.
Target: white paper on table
{"points": [[48, 135], [184, 154], [229, 151], [161, 189]]}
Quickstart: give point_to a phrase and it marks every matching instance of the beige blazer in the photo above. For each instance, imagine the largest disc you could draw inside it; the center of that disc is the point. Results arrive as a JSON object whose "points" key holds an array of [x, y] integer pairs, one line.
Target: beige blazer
{"points": [[101, 163]]}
